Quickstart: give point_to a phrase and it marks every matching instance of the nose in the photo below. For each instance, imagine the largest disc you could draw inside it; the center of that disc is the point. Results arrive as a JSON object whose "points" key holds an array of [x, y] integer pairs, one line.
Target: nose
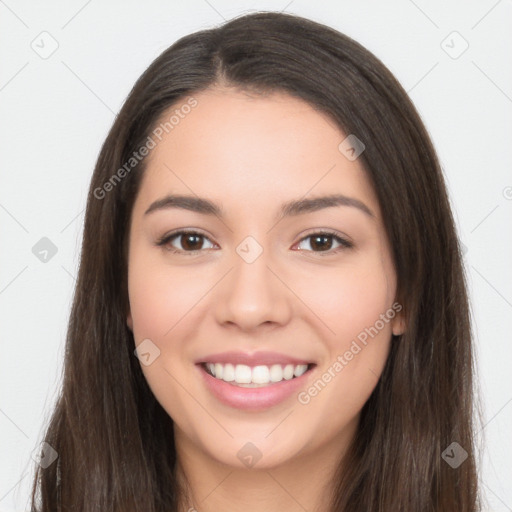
{"points": [[253, 294]]}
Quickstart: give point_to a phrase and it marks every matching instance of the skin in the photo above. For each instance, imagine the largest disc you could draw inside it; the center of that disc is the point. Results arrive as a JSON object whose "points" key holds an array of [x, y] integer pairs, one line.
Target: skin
{"points": [[249, 155]]}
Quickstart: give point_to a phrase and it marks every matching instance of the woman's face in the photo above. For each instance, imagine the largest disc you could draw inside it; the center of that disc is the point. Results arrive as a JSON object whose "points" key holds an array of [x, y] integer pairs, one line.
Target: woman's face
{"points": [[257, 293]]}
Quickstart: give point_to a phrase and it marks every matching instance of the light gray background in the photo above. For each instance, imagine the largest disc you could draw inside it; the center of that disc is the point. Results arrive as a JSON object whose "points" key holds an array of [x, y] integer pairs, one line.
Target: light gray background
{"points": [[56, 111]]}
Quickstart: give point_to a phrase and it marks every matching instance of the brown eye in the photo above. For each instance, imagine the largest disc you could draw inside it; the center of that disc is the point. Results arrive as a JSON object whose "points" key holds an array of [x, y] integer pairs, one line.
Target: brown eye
{"points": [[184, 241], [191, 242], [323, 242]]}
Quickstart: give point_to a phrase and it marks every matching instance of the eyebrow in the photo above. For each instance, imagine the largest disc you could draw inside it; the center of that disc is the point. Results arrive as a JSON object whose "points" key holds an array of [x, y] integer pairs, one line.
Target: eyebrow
{"points": [[290, 208]]}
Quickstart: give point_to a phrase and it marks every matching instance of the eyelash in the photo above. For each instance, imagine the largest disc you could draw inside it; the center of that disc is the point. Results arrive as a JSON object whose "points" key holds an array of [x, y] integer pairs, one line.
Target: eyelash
{"points": [[344, 244]]}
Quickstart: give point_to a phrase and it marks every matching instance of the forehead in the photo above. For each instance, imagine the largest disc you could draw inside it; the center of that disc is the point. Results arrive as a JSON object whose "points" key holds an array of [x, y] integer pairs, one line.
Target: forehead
{"points": [[252, 150]]}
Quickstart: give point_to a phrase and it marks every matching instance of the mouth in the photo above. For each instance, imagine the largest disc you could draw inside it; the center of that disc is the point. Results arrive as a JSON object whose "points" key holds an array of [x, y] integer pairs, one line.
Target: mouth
{"points": [[259, 376], [254, 387]]}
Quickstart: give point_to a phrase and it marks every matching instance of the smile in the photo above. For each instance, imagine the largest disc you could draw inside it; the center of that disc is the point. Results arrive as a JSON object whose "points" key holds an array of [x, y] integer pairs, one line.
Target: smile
{"points": [[254, 388]]}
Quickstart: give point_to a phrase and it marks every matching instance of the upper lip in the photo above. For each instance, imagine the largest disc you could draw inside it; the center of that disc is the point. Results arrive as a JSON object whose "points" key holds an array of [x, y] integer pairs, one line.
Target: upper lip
{"points": [[254, 359]]}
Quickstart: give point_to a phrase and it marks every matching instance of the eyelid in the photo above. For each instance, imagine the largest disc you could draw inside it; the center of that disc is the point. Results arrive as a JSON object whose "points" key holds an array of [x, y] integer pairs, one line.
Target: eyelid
{"points": [[167, 237], [325, 231], [345, 242]]}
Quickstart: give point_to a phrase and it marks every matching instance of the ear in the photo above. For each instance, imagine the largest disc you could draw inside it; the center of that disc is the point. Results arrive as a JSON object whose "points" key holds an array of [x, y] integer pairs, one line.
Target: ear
{"points": [[398, 323]]}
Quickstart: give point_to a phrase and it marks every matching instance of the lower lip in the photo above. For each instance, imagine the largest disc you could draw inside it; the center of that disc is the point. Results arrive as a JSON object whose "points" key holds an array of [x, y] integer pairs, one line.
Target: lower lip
{"points": [[253, 398]]}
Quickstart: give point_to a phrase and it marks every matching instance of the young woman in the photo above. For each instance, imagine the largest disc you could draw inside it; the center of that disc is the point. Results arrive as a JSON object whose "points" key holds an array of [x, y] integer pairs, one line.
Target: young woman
{"points": [[271, 310]]}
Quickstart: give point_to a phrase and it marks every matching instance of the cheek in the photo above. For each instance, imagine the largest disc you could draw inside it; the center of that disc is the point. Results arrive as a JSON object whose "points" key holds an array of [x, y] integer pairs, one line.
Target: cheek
{"points": [[160, 297], [350, 298], [162, 302], [355, 303]]}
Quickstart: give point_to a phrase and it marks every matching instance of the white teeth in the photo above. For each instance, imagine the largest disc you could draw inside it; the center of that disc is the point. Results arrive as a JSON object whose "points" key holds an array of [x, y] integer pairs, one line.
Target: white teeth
{"points": [[218, 370], [257, 375], [300, 369], [276, 373], [260, 375], [288, 372], [242, 374], [229, 373]]}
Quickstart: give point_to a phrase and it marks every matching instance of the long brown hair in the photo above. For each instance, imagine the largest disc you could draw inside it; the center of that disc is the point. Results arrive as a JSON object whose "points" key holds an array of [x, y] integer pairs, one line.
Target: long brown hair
{"points": [[113, 439]]}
